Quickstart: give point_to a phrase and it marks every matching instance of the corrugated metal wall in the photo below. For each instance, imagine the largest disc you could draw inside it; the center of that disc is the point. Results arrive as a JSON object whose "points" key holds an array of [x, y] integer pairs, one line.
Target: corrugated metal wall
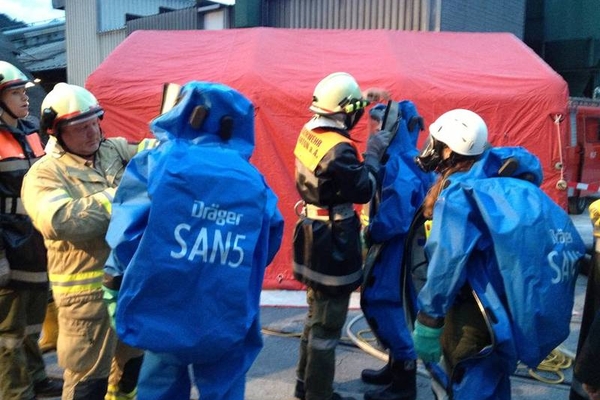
{"points": [[83, 52], [112, 12], [96, 27], [353, 14], [483, 16], [187, 18]]}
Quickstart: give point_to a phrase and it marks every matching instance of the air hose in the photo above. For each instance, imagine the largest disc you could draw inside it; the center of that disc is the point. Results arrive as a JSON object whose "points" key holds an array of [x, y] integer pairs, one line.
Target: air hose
{"points": [[558, 360], [552, 365], [362, 343]]}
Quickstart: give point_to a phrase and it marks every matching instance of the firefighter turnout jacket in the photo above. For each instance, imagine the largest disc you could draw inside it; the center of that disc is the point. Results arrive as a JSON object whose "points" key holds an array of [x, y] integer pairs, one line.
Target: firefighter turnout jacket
{"points": [[69, 199], [21, 245], [330, 178]]}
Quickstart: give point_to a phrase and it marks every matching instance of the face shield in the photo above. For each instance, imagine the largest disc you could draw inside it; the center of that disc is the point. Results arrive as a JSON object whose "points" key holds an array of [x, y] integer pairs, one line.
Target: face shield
{"points": [[430, 157]]}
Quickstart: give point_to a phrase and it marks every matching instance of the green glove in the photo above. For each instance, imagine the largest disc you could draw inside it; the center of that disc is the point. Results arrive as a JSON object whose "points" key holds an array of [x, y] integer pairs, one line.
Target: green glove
{"points": [[427, 342], [110, 298]]}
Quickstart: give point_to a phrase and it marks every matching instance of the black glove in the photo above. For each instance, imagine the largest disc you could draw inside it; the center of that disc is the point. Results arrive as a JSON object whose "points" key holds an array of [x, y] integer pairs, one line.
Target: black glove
{"points": [[377, 144]]}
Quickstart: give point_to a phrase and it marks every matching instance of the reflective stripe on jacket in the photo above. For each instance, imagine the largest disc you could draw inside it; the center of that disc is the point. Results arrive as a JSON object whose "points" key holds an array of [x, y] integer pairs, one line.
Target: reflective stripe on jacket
{"points": [[20, 147], [329, 172], [68, 199]]}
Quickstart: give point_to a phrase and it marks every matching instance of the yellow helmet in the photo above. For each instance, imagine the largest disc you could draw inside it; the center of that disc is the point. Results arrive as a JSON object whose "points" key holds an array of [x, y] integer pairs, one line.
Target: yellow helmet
{"points": [[337, 93], [11, 77], [68, 104]]}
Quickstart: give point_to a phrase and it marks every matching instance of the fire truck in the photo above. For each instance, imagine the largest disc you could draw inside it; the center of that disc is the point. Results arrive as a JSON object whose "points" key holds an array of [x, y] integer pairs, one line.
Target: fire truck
{"points": [[582, 159]]}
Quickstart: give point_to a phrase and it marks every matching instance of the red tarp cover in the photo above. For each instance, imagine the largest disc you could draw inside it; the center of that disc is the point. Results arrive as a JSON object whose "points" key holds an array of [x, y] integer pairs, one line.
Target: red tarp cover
{"points": [[494, 74]]}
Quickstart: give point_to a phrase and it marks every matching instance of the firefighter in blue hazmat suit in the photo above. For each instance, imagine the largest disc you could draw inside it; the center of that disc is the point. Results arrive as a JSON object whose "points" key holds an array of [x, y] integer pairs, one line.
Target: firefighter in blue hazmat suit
{"points": [[502, 261], [194, 226], [403, 188]]}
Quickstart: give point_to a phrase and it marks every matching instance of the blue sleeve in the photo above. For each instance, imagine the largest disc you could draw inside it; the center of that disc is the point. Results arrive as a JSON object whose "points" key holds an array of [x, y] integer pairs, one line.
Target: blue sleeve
{"points": [[401, 195], [452, 240], [129, 218]]}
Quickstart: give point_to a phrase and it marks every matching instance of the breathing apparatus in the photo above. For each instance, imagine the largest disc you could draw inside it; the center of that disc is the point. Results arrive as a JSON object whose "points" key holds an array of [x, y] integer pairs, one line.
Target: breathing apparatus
{"points": [[430, 157]]}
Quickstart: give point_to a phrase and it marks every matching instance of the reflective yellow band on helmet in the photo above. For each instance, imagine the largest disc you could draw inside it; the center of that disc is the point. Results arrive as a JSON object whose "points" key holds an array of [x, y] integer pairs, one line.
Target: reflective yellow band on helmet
{"points": [[74, 283], [355, 105], [311, 147]]}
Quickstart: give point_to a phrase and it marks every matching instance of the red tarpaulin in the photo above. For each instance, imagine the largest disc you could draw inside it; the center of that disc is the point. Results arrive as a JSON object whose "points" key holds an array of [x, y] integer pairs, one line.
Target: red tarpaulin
{"points": [[493, 74]]}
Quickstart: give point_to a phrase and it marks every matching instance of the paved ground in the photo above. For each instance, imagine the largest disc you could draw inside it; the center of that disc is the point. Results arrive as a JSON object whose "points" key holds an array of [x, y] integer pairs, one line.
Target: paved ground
{"points": [[272, 376]]}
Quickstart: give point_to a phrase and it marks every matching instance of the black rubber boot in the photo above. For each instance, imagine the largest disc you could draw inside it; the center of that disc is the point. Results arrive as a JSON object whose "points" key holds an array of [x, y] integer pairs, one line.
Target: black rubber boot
{"points": [[91, 389], [403, 385], [336, 396], [48, 388], [382, 376], [299, 392]]}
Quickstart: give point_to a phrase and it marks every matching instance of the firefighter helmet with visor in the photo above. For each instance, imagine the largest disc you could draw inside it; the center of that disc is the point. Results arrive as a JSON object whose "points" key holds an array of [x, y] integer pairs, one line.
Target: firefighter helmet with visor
{"points": [[12, 77], [68, 104], [337, 93]]}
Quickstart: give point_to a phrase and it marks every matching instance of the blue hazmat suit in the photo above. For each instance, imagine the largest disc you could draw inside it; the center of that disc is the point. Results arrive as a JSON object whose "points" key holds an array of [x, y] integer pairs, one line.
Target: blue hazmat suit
{"points": [[403, 188], [193, 227], [518, 251]]}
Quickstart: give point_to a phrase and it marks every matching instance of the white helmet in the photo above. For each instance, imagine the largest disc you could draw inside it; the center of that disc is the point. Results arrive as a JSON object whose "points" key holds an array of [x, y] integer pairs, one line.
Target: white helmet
{"points": [[337, 93], [12, 77], [463, 131], [68, 104]]}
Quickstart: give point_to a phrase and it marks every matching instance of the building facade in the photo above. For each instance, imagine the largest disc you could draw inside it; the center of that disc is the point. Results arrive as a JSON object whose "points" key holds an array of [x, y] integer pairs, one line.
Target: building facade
{"points": [[95, 28]]}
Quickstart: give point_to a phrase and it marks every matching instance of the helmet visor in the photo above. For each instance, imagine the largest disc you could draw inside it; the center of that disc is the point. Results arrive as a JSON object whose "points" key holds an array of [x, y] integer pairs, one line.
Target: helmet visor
{"points": [[17, 84], [56, 125], [80, 120]]}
